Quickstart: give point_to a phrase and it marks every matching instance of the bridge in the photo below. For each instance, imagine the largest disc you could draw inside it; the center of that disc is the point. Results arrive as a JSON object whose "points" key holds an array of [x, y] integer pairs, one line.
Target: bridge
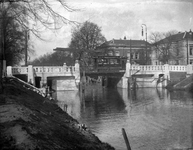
{"points": [[154, 75], [61, 77], [123, 75]]}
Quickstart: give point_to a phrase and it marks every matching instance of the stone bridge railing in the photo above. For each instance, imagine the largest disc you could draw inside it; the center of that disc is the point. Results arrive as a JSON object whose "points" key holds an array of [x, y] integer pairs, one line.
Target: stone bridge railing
{"points": [[155, 70], [159, 68], [45, 71]]}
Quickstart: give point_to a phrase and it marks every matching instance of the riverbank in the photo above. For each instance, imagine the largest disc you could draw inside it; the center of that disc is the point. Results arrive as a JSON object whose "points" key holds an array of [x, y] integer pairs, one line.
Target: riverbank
{"points": [[30, 121]]}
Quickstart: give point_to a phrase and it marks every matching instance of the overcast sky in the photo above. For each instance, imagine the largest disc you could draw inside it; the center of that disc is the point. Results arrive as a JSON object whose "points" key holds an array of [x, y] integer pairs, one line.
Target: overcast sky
{"points": [[119, 18]]}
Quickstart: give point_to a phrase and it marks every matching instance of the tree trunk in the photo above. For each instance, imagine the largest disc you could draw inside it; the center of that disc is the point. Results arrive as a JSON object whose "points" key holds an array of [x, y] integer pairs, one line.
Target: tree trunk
{"points": [[1, 56], [1, 72]]}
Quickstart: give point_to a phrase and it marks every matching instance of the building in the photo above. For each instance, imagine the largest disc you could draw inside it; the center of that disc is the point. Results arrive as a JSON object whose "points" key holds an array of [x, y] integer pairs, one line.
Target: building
{"points": [[138, 51], [176, 49]]}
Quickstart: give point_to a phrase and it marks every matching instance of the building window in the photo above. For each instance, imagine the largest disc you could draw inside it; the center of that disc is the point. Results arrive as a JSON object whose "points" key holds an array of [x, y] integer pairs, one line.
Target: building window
{"points": [[117, 53], [191, 49], [136, 55]]}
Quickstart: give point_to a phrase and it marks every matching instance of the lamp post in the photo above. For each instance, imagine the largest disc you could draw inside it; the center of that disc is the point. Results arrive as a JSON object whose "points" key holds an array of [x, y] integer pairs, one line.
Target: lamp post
{"points": [[144, 25], [188, 35]]}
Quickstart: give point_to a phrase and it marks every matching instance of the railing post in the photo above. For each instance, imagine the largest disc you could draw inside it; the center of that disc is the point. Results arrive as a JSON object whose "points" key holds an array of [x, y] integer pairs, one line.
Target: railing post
{"points": [[189, 69], [77, 72], [167, 71], [77, 66], [128, 69], [64, 67], [9, 71], [31, 77]]}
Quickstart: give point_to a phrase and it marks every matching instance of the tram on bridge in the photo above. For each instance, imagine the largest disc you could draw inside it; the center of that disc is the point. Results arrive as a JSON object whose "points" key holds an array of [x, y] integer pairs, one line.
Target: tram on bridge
{"points": [[108, 64]]}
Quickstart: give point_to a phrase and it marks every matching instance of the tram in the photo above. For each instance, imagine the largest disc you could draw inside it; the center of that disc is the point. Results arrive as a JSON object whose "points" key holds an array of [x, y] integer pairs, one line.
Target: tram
{"points": [[113, 63]]}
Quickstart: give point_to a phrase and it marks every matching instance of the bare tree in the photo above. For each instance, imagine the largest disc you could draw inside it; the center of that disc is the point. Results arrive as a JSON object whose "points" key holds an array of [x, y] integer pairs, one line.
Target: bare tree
{"points": [[166, 47], [34, 16], [85, 38]]}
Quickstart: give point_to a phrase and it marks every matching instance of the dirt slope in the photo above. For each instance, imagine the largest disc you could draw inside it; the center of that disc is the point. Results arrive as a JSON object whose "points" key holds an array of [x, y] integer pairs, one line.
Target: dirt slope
{"points": [[30, 121]]}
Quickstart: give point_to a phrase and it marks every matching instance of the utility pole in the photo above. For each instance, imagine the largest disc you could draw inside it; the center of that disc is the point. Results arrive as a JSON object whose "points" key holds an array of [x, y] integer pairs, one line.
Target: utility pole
{"points": [[26, 45], [1, 47], [146, 58]]}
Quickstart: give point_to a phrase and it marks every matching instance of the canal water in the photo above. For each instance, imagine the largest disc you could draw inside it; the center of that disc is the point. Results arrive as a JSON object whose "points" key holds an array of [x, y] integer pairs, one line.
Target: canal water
{"points": [[154, 119]]}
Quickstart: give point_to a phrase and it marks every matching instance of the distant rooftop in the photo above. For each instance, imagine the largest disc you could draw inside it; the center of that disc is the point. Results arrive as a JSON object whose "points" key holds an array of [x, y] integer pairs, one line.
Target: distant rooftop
{"points": [[124, 42], [178, 37]]}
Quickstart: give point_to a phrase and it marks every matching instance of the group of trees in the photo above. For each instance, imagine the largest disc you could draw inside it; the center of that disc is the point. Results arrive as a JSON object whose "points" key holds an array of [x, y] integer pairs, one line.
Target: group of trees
{"points": [[85, 38], [20, 16], [166, 47]]}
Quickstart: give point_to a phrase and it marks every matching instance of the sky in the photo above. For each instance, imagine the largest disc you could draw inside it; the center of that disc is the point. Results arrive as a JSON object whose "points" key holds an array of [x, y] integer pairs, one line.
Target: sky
{"points": [[120, 18]]}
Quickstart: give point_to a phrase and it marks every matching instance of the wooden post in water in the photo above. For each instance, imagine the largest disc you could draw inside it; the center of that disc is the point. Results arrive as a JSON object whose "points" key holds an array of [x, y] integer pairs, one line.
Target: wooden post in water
{"points": [[126, 139]]}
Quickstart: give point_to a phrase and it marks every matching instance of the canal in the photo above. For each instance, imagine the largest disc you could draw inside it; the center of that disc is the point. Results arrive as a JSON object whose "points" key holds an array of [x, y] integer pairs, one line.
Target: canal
{"points": [[152, 118]]}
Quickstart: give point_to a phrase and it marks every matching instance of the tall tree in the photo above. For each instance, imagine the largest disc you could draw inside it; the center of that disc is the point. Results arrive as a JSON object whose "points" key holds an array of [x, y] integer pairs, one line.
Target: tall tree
{"points": [[14, 41], [85, 38], [32, 16], [166, 47]]}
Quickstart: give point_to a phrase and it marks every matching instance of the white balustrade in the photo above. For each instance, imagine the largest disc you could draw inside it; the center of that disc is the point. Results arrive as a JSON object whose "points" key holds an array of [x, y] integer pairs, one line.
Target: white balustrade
{"points": [[19, 70], [44, 69], [160, 68], [49, 69], [148, 67]]}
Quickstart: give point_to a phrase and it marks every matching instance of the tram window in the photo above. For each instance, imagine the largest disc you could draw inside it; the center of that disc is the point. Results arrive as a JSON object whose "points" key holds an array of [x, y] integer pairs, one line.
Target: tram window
{"points": [[117, 53], [110, 53], [113, 61], [128, 55]]}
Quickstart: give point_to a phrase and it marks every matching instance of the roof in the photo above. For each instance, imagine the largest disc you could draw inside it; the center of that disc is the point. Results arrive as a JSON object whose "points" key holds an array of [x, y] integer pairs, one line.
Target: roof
{"points": [[63, 49], [123, 43], [68, 49], [180, 36]]}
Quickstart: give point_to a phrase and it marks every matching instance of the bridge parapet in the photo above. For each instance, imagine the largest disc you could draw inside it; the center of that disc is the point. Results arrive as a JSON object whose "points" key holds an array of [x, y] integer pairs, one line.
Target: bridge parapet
{"points": [[19, 70], [45, 71], [42, 69], [176, 68], [148, 67], [149, 75], [54, 69]]}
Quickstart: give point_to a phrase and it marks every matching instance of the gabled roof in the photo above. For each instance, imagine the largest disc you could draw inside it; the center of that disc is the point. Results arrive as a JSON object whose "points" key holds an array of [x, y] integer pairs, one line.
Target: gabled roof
{"points": [[180, 36], [126, 43]]}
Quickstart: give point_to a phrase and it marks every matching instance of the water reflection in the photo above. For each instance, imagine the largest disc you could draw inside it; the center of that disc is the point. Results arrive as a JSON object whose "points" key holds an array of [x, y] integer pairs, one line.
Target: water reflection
{"points": [[69, 101], [153, 118]]}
